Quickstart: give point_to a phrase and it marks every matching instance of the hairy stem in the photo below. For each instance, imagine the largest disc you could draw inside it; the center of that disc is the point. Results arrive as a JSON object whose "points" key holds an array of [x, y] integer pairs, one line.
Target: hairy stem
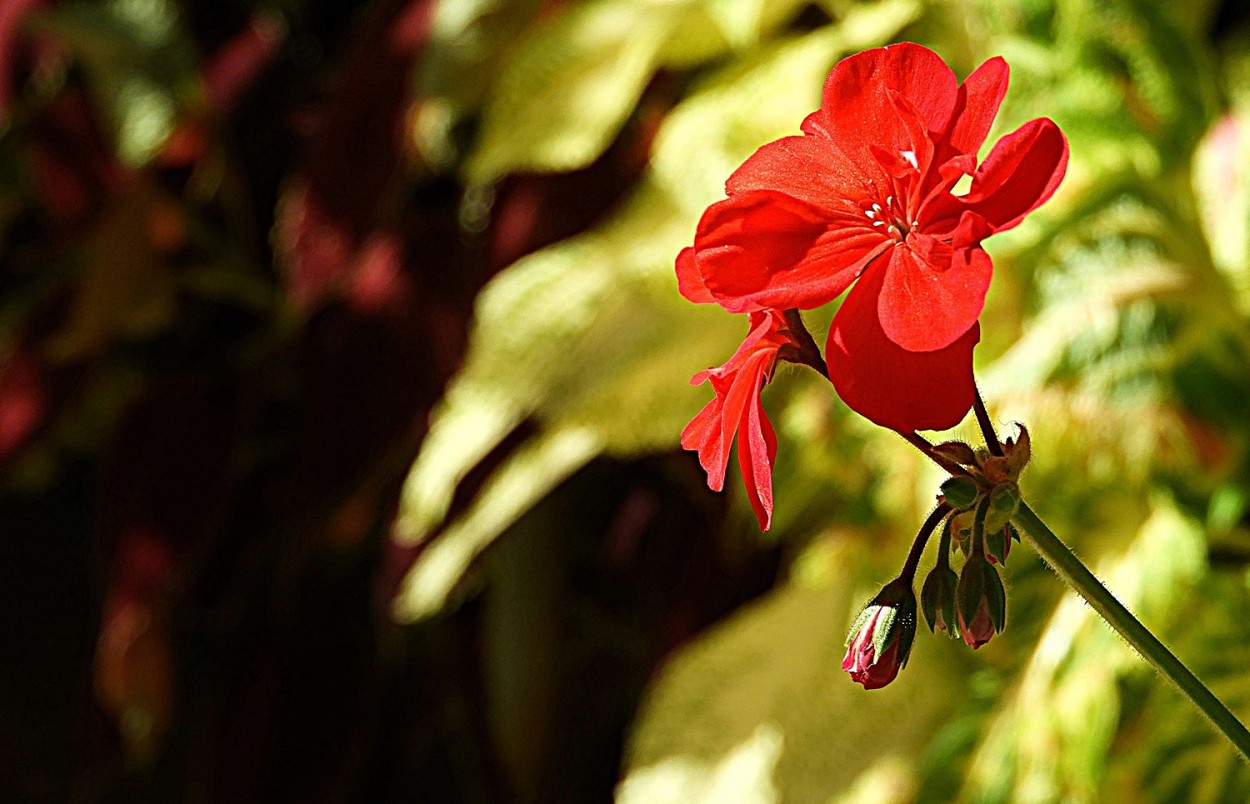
{"points": [[921, 443], [944, 545], [1068, 567], [983, 420], [922, 538]]}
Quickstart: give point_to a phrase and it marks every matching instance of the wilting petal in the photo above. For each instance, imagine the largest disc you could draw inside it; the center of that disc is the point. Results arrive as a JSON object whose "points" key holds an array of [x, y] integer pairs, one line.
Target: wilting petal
{"points": [[761, 249], [887, 384], [857, 93], [980, 97], [1020, 173], [929, 298]]}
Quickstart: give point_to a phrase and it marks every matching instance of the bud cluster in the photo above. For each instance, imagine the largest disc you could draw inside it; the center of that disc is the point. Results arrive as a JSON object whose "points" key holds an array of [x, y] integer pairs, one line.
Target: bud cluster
{"points": [[975, 511]]}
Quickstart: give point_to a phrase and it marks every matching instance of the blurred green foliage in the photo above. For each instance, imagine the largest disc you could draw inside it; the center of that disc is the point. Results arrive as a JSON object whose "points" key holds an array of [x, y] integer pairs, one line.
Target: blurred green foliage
{"points": [[1118, 329]]}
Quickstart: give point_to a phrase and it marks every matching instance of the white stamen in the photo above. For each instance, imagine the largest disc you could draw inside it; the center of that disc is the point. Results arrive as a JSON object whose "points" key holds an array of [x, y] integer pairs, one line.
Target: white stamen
{"points": [[910, 156], [878, 223], [889, 200], [870, 213]]}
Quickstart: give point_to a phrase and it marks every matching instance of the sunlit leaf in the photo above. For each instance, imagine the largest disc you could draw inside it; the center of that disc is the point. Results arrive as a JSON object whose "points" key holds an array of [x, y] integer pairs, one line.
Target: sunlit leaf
{"points": [[590, 333], [776, 665], [570, 85]]}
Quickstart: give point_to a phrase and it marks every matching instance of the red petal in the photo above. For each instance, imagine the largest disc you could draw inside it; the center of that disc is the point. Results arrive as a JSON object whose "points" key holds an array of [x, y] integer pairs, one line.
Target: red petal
{"points": [[857, 101], [743, 390], [887, 384], [1020, 173], [756, 454], [763, 249], [929, 298], [980, 96], [811, 169], [736, 412], [703, 435], [689, 282]]}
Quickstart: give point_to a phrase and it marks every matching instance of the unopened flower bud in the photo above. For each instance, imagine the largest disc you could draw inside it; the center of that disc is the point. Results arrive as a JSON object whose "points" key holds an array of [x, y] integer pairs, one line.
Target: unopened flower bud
{"points": [[1004, 500], [937, 599], [880, 641], [981, 601], [998, 545], [961, 492]]}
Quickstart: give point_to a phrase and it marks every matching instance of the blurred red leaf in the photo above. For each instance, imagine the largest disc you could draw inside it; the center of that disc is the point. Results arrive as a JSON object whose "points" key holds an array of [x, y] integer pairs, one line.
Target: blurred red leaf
{"points": [[12, 14], [23, 401], [134, 670], [351, 168]]}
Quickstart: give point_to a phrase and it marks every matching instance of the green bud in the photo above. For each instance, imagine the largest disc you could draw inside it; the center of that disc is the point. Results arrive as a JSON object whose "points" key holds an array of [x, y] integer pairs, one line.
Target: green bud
{"points": [[937, 599], [998, 545], [981, 601], [961, 491], [1004, 500]]}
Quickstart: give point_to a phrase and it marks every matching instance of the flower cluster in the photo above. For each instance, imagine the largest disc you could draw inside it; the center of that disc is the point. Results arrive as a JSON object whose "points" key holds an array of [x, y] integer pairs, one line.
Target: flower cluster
{"points": [[974, 512], [866, 199]]}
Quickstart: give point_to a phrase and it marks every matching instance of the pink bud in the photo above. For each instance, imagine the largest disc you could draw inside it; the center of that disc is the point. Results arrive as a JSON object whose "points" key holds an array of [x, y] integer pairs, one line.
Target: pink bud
{"points": [[880, 641], [863, 664], [979, 631]]}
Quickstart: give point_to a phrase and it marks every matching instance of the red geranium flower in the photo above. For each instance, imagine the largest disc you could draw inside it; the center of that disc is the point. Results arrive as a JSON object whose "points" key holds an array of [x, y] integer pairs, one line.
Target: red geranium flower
{"points": [[736, 411], [866, 193]]}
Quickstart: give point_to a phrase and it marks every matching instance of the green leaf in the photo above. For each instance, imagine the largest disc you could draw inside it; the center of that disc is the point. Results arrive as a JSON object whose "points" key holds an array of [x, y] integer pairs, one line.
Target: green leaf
{"points": [[761, 98], [570, 85], [714, 27], [590, 335], [774, 665], [533, 472]]}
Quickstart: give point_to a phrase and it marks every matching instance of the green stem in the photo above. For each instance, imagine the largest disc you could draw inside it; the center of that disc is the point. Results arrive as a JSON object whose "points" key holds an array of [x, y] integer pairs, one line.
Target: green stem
{"points": [[944, 545], [978, 526], [1121, 620]]}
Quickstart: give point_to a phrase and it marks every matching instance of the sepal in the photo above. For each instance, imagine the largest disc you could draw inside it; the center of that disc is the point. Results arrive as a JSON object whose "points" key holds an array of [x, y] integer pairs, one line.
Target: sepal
{"points": [[937, 599]]}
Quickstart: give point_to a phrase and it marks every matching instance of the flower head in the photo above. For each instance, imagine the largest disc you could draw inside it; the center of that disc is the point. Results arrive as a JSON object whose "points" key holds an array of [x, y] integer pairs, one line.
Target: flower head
{"points": [[881, 638], [736, 411], [866, 193]]}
